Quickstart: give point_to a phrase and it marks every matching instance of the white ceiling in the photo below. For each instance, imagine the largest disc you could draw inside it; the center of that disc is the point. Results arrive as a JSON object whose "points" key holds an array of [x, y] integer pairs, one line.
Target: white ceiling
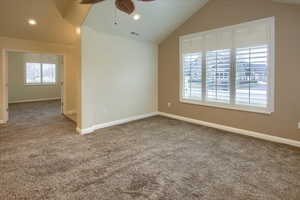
{"points": [[158, 18]]}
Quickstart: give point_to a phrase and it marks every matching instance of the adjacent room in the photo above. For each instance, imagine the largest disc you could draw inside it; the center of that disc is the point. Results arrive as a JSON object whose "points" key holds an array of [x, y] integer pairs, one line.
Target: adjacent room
{"points": [[150, 99], [35, 85]]}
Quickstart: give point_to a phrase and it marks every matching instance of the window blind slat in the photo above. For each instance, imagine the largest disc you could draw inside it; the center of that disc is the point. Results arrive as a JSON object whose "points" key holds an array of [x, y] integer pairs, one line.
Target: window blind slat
{"points": [[218, 76], [193, 75], [252, 77]]}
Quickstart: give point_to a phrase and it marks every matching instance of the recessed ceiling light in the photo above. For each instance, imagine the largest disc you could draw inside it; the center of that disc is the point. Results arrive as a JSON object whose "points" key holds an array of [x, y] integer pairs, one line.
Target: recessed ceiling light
{"points": [[78, 30], [31, 22], [136, 16]]}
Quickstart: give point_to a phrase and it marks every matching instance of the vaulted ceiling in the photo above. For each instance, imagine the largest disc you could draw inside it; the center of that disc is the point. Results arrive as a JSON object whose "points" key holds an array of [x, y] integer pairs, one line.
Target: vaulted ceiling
{"points": [[58, 19], [158, 18], [51, 24]]}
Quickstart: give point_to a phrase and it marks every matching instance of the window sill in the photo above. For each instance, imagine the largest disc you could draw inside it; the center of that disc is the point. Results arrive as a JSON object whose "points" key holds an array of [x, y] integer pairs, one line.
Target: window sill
{"points": [[50, 84], [227, 106]]}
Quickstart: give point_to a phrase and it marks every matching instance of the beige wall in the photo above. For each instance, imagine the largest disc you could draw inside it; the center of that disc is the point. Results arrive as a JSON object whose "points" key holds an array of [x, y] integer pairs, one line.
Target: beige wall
{"points": [[18, 91], [71, 65], [118, 78], [220, 13], [76, 79]]}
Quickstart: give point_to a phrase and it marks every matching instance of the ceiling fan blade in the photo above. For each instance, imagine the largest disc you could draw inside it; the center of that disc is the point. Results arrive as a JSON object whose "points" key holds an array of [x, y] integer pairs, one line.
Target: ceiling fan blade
{"points": [[126, 6], [90, 1]]}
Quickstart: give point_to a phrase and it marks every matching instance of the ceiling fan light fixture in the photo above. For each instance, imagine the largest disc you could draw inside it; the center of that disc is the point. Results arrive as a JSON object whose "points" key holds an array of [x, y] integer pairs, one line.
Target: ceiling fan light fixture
{"points": [[126, 6]]}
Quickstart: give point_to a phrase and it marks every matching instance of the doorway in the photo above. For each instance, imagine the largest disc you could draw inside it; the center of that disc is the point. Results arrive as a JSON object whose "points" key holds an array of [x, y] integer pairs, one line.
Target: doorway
{"points": [[34, 85]]}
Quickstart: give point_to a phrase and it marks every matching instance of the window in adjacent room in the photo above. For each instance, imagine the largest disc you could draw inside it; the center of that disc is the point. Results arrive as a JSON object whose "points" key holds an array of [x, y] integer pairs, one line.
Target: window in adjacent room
{"points": [[40, 74], [231, 67]]}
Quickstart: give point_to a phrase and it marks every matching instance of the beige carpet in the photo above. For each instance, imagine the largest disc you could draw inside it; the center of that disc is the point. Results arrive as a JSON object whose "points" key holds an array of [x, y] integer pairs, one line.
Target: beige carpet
{"points": [[41, 157]]}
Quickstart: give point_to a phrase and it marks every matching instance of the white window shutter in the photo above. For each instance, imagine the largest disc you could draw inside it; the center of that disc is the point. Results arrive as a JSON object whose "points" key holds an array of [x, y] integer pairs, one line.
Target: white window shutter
{"points": [[252, 76], [231, 67], [192, 79], [192, 45], [218, 67], [252, 35]]}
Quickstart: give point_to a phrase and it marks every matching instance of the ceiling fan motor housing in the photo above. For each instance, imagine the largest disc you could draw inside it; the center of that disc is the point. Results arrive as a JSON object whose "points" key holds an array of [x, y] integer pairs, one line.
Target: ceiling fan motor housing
{"points": [[126, 6]]}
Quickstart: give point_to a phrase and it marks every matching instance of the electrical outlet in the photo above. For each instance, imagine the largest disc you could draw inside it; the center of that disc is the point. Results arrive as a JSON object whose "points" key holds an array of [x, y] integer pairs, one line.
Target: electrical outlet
{"points": [[169, 104], [298, 124]]}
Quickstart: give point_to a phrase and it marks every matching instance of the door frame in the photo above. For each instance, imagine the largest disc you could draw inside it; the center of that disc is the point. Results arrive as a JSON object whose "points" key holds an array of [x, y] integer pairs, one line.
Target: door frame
{"points": [[5, 52]]}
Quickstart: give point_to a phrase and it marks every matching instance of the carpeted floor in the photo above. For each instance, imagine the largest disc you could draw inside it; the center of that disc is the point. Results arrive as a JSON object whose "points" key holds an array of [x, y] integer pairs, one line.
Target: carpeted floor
{"points": [[41, 157]]}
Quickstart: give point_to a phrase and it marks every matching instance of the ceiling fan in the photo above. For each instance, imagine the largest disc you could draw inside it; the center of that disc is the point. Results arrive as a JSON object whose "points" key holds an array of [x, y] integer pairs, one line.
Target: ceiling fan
{"points": [[126, 6]]}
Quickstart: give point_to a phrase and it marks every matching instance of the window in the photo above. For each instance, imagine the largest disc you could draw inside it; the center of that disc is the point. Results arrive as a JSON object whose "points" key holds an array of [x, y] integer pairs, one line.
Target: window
{"points": [[48, 73], [193, 75], [252, 76], [40, 74], [231, 67], [33, 73], [217, 75]]}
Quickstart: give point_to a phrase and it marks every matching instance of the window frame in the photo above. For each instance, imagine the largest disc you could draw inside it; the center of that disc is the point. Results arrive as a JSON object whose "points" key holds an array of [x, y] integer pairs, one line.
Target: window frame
{"points": [[41, 71], [232, 105]]}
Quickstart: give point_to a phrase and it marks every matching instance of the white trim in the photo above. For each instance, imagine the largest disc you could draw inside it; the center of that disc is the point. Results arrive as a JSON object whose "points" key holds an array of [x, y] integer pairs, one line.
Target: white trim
{"points": [[35, 100], [226, 106], [271, 75], [85, 131], [5, 85], [2, 122], [264, 20], [254, 134], [114, 123], [38, 84]]}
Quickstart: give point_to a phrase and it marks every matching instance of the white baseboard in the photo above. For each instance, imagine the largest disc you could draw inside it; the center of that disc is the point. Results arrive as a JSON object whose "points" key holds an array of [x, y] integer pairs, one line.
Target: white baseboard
{"points": [[235, 130], [254, 134], [70, 112], [114, 123], [2, 122], [35, 100]]}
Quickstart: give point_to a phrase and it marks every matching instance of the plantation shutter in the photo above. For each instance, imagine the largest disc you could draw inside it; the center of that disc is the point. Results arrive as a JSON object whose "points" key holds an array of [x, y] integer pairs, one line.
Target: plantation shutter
{"points": [[218, 76], [191, 49], [230, 67], [192, 70], [252, 35], [252, 76]]}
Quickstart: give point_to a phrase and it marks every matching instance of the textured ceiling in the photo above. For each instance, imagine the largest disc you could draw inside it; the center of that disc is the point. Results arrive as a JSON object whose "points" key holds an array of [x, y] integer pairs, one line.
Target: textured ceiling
{"points": [[158, 18], [51, 27]]}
